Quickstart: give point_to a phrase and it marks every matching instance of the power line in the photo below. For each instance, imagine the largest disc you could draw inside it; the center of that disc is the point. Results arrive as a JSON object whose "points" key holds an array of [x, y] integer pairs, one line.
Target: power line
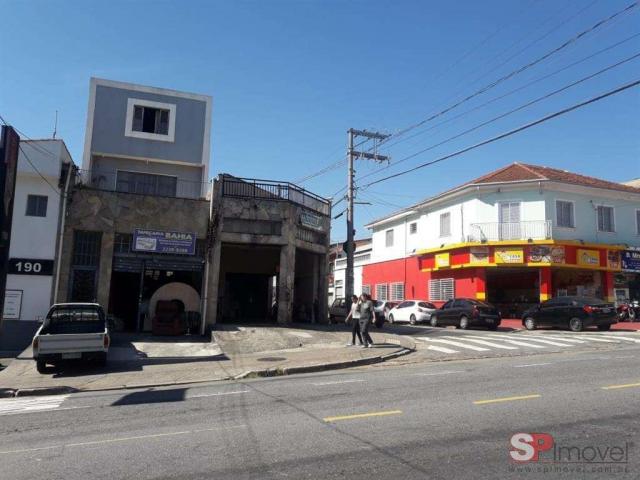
{"points": [[511, 92], [523, 68], [510, 112], [38, 171], [511, 132]]}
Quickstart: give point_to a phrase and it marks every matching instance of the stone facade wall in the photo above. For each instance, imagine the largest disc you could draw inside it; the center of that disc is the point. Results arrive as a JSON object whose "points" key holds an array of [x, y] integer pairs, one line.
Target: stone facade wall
{"points": [[113, 212]]}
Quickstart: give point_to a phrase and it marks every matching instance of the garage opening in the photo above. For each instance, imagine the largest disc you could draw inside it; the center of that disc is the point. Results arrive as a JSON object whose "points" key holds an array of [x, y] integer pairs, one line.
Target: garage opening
{"points": [[513, 290], [248, 283]]}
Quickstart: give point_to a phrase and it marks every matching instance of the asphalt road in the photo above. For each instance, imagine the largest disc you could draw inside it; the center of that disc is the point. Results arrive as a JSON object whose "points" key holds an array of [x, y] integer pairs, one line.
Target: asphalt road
{"points": [[451, 420]]}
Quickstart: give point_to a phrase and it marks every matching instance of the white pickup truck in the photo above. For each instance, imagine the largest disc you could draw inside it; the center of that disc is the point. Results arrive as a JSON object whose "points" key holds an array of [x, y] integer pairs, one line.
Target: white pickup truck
{"points": [[72, 331]]}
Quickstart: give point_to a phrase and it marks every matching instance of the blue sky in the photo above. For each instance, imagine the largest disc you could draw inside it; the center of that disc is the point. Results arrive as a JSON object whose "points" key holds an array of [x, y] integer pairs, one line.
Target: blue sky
{"points": [[289, 77]]}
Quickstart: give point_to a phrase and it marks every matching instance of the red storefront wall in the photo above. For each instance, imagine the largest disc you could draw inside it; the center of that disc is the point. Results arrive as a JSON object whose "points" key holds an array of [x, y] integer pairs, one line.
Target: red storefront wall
{"points": [[404, 270]]}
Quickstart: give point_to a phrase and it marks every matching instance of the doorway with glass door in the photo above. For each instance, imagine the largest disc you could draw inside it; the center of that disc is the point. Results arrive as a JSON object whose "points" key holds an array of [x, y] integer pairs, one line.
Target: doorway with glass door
{"points": [[509, 221]]}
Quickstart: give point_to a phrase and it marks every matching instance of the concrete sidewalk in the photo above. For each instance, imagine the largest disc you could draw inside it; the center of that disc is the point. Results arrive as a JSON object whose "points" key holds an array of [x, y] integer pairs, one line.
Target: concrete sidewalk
{"points": [[235, 352]]}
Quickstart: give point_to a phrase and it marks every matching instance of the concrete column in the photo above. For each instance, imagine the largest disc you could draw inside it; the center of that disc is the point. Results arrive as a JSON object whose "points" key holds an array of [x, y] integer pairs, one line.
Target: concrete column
{"points": [[546, 287], [214, 284], [286, 282], [104, 269], [607, 286], [323, 288]]}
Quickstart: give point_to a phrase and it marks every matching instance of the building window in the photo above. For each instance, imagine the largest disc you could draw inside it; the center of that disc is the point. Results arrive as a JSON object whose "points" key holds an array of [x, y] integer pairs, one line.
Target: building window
{"points": [[382, 291], [37, 205], [397, 291], [445, 224], [84, 268], [413, 228], [638, 222], [441, 290], [150, 120], [146, 183], [388, 238], [122, 243], [366, 289], [605, 219], [564, 214], [339, 289]]}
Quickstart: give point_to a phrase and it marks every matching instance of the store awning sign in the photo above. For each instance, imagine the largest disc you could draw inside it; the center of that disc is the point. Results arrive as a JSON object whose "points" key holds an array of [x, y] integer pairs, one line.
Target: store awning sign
{"points": [[588, 258], [479, 255], [631, 260], [157, 241], [509, 255], [546, 254], [442, 260]]}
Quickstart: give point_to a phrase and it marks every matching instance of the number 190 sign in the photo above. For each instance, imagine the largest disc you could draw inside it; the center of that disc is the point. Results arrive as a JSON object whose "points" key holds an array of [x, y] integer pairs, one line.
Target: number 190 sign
{"points": [[30, 266]]}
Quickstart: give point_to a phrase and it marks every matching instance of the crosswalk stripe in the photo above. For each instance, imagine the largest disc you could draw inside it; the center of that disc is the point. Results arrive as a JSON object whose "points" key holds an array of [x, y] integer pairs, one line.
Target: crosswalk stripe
{"points": [[459, 344], [620, 337], [441, 349], [583, 339], [564, 338], [489, 344], [554, 342], [9, 406], [522, 344]]}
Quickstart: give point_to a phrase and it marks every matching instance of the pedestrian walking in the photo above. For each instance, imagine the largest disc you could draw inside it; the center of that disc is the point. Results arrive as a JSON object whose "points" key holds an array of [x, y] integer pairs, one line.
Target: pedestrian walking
{"points": [[366, 317], [354, 317]]}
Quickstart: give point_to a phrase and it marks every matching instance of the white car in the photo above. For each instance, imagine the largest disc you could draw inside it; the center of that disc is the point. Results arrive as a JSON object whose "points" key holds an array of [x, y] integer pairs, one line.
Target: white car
{"points": [[412, 311]]}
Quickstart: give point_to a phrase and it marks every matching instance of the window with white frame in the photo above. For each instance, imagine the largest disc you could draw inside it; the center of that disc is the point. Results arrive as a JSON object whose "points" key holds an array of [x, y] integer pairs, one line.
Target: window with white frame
{"points": [[150, 120], [441, 289], [413, 228], [397, 291], [388, 238], [445, 224], [638, 222], [605, 219], [366, 289], [382, 290], [564, 214]]}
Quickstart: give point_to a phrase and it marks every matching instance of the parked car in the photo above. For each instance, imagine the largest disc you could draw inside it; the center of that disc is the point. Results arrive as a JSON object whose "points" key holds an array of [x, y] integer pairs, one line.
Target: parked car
{"points": [[412, 311], [339, 310], [465, 313], [72, 331], [576, 313], [382, 309]]}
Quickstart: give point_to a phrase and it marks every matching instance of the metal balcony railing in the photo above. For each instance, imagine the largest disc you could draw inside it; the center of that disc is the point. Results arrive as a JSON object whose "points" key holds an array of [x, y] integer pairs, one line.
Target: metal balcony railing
{"points": [[534, 230], [278, 191], [142, 184]]}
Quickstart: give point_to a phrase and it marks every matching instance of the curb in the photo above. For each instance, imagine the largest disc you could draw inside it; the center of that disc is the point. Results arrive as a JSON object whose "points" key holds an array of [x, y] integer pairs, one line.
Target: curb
{"points": [[276, 372]]}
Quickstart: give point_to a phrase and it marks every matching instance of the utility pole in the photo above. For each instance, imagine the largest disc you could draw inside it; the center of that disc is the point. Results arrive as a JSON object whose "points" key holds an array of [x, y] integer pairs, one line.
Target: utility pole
{"points": [[349, 246]]}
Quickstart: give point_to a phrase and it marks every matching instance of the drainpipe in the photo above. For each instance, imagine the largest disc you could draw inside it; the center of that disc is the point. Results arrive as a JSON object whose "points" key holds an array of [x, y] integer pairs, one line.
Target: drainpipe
{"points": [[205, 295], [61, 233]]}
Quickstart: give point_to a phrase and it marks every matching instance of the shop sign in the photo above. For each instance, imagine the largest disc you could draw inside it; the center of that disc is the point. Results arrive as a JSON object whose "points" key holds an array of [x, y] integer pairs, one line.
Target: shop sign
{"points": [[546, 254], [12, 304], [479, 255], [631, 260], [156, 241], [588, 258], [613, 259], [442, 260], [310, 219], [509, 255]]}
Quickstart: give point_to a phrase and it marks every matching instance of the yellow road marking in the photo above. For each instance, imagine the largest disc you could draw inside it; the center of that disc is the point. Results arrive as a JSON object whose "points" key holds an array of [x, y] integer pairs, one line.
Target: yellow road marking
{"points": [[362, 415], [627, 385], [506, 399]]}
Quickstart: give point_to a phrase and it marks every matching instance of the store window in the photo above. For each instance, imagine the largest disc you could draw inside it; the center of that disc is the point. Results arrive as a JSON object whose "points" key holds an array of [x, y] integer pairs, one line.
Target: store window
{"points": [[564, 214], [397, 291], [382, 290], [441, 289], [605, 219]]}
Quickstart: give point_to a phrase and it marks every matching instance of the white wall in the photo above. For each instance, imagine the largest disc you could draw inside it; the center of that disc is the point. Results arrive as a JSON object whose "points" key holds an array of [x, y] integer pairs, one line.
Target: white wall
{"points": [[35, 237]]}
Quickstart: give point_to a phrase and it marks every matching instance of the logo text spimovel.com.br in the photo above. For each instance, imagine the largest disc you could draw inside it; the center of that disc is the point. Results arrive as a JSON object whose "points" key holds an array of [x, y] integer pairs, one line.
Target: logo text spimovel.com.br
{"points": [[541, 453]]}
